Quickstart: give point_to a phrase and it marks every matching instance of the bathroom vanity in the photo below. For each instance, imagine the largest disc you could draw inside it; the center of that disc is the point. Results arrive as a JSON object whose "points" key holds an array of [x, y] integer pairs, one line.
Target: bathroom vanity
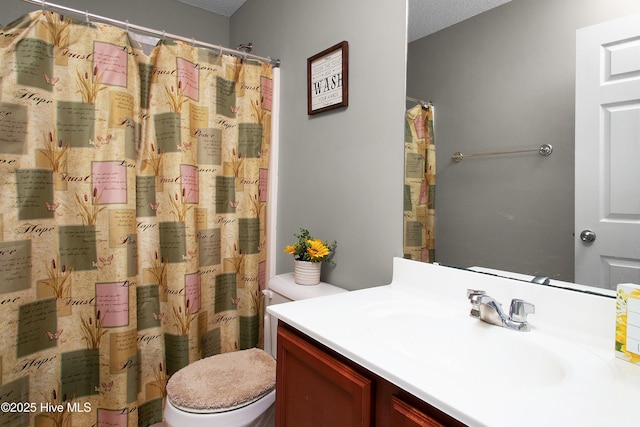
{"points": [[315, 386], [409, 354]]}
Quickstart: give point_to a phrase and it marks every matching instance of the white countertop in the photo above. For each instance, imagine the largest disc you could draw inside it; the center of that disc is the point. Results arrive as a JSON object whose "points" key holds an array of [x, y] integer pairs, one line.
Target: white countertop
{"points": [[417, 333]]}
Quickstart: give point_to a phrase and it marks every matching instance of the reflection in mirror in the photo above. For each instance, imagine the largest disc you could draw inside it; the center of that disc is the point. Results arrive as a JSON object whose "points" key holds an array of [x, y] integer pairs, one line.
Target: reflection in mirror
{"points": [[546, 281], [501, 81], [419, 182]]}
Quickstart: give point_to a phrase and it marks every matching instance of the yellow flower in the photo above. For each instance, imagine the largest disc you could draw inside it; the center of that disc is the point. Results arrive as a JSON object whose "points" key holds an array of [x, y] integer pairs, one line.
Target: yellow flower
{"points": [[317, 249], [308, 248]]}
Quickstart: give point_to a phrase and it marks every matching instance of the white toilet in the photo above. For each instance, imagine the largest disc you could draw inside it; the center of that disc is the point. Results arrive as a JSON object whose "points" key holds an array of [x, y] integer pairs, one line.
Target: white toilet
{"points": [[233, 405]]}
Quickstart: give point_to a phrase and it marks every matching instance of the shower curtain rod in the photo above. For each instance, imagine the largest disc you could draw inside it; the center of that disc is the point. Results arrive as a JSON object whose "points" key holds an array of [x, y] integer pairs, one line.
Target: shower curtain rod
{"points": [[162, 34], [421, 102]]}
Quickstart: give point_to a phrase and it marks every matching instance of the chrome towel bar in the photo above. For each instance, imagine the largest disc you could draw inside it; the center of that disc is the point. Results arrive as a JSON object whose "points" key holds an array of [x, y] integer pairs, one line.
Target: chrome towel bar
{"points": [[544, 150]]}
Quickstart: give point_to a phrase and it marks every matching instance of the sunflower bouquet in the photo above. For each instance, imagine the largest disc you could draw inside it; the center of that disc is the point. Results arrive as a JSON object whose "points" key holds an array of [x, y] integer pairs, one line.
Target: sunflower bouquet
{"points": [[310, 249]]}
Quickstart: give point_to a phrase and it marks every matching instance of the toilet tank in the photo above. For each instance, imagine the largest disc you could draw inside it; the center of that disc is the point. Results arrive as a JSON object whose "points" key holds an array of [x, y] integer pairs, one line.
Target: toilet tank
{"points": [[282, 288]]}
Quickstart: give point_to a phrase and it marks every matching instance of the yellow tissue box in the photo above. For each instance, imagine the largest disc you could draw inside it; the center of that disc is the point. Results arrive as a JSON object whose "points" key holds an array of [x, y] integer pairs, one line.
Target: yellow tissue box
{"points": [[628, 323]]}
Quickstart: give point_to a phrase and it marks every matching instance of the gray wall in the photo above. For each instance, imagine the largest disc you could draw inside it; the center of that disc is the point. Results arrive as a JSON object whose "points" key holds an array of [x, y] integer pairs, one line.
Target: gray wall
{"points": [[168, 15], [504, 80], [341, 172]]}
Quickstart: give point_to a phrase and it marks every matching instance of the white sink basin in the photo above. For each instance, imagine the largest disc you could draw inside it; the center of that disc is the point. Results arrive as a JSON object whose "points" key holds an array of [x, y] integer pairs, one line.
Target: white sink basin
{"points": [[463, 346], [417, 334]]}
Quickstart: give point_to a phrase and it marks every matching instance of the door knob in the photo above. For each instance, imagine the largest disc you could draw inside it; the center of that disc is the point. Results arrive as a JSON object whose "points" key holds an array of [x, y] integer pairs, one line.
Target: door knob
{"points": [[587, 236]]}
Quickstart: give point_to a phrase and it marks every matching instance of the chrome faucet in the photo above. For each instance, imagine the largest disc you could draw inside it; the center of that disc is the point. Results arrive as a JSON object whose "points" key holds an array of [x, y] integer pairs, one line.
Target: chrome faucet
{"points": [[486, 308]]}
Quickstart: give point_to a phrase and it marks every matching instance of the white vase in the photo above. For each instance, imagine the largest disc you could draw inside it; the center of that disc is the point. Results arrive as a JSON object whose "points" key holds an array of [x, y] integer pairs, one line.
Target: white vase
{"points": [[306, 273]]}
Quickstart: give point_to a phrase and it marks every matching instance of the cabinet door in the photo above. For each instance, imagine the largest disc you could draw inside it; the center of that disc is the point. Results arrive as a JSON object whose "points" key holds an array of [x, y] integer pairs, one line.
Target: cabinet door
{"points": [[313, 389], [405, 415]]}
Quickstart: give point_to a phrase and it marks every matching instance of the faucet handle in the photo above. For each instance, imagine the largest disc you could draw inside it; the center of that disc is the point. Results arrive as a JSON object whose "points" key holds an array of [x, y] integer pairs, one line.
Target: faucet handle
{"points": [[520, 309], [474, 293]]}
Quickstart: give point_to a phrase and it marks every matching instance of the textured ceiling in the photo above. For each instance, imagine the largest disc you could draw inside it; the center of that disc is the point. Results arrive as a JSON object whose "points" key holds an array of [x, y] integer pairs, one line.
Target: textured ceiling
{"points": [[221, 7], [429, 16], [425, 16]]}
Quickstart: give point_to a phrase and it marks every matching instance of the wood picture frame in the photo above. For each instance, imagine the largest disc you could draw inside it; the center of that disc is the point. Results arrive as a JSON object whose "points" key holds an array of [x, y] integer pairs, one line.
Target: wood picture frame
{"points": [[328, 79]]}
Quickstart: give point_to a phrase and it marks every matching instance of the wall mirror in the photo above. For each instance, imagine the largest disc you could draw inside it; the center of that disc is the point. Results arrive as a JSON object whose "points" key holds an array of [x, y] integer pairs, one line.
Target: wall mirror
{"points": [[505, 80]]}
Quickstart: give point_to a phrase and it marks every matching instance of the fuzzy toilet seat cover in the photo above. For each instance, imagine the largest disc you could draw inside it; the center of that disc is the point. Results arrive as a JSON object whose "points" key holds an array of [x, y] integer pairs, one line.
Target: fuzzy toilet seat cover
{"points": [[223, 382]]}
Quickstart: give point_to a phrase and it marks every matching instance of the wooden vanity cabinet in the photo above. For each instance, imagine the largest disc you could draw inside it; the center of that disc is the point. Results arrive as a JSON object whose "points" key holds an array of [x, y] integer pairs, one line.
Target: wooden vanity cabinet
{"points": [[406, 415], [317, 387]]}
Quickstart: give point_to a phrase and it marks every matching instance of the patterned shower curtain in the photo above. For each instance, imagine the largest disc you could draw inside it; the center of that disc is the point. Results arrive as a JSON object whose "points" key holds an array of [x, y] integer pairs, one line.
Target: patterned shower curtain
{"points": [[419, 184], [132, 210]]}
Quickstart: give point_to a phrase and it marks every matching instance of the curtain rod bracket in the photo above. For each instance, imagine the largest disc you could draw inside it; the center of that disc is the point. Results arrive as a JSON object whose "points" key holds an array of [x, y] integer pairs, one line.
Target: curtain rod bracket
{"points": [[425, 104]]}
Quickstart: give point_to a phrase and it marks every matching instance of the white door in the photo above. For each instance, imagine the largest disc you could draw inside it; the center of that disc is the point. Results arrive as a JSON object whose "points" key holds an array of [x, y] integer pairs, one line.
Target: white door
{"points": [[607, 154]]}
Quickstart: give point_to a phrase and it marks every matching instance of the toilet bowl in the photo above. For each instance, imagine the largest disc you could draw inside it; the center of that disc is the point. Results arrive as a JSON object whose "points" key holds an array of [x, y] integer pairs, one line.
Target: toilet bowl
{"points": [[194, 400], [260, 413]]}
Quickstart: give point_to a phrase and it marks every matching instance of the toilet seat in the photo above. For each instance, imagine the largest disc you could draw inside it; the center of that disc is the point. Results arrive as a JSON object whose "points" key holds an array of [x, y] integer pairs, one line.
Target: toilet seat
{"points": [[223, 382], [215, 410]]}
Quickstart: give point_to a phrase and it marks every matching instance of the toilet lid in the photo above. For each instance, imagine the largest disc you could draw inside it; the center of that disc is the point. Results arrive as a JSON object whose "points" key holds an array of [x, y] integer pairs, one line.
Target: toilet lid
{"points": [[223, 382]]}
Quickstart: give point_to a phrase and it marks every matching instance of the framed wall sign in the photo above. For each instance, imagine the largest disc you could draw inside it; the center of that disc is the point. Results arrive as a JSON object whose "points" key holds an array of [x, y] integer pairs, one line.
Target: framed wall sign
{"points": [[328, 79]]}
